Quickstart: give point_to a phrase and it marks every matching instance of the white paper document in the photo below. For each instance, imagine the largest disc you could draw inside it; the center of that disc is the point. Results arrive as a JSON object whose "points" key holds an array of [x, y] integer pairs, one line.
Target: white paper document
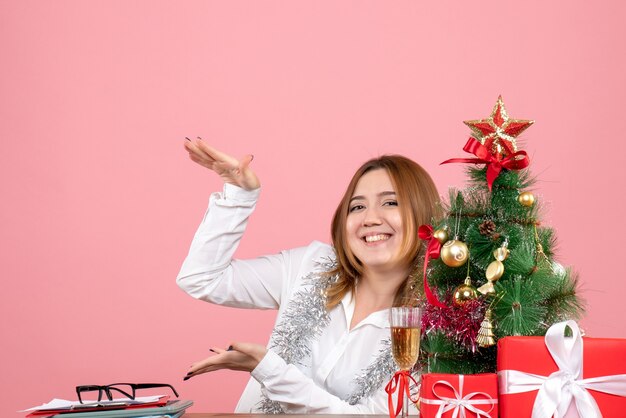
{"points": [[63, 404]]}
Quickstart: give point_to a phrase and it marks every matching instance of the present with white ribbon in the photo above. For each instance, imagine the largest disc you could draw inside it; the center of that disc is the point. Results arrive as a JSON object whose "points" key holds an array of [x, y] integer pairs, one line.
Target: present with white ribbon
{"points": [[459, 396], [544, 377]]}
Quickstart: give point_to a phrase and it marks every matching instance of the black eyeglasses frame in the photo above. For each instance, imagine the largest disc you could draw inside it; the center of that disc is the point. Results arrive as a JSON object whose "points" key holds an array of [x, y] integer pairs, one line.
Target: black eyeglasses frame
{"points": [[120, 388]]}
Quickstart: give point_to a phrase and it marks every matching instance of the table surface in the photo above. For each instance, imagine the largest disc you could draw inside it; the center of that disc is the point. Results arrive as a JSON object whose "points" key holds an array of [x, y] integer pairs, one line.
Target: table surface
{"points": [[224, 415]]}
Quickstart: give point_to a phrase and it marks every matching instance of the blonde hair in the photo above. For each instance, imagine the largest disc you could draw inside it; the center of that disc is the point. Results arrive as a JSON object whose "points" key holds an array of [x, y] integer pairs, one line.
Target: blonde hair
{"points": [[413, 185]]}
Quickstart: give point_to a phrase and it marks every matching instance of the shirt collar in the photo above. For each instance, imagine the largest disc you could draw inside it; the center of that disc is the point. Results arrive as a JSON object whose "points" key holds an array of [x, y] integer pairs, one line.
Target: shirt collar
{"points": [[379, 319]]}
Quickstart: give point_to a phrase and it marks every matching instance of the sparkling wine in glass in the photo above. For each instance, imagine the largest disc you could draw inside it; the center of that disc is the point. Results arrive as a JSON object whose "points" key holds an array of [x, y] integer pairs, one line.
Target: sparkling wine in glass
{"points": [[405, 324]]}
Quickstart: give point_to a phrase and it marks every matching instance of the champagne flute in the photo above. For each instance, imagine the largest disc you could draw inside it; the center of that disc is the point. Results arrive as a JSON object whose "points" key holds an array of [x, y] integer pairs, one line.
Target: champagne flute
{"points": [[406, 327]]}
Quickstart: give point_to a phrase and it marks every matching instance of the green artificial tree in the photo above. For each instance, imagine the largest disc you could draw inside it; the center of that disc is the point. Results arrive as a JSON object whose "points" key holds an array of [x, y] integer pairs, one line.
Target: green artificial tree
{"points": [[490, 270]]}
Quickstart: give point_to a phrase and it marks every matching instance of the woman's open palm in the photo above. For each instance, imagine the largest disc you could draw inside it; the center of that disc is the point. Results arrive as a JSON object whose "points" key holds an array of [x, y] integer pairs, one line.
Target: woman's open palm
{"points": [[239, 356], [227, 167]]}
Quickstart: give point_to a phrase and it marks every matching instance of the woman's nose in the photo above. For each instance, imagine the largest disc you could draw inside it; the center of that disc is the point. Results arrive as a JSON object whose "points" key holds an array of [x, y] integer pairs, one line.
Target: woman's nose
{"points": [[371, 217]]}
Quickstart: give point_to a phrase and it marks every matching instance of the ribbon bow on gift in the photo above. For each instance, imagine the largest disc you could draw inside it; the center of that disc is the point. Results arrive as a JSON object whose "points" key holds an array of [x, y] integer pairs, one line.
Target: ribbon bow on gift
{"points": [[557, 390], [495, 162], [460, 404]]}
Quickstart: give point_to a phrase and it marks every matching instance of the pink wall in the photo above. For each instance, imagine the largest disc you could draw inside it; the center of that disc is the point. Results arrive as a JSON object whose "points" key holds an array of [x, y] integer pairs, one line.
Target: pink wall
{"points": [[100, 201]]}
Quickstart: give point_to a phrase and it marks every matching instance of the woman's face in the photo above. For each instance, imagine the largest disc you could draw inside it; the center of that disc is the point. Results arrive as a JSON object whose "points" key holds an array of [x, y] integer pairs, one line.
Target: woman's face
{"points": [[374, 223]]}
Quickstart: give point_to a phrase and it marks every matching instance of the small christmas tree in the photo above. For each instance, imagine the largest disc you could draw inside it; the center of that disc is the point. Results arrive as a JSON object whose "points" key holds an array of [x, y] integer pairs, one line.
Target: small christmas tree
{"points": [[490, 263]]}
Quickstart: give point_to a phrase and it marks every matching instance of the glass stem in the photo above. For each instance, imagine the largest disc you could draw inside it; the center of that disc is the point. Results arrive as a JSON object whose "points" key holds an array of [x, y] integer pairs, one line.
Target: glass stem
{"points": [[405, 406]]}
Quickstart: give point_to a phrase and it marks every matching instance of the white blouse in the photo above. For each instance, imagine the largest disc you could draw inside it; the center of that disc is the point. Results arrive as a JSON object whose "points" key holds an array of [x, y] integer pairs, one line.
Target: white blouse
{"points": [[321, 382]]}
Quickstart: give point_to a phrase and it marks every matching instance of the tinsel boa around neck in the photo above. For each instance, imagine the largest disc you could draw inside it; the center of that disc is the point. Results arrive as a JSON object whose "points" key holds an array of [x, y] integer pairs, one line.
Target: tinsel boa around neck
{"points": [[304, 320]]}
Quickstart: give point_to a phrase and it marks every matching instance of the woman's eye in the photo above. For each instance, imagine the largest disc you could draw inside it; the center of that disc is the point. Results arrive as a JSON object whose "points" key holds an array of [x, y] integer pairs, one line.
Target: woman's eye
{"points": [[355, 208], [390, 203]]}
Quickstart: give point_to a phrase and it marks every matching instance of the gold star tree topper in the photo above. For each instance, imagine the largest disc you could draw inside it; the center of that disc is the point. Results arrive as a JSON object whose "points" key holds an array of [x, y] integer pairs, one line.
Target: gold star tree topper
{"points": [[499, 132]]}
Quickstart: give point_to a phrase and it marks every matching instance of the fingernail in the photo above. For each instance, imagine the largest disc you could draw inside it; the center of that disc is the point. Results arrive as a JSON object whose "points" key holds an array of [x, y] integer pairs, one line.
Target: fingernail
{"points": [[186, 378], [188, 139], [188, 373], [230, 348], [252, 158], [210, 349], [199, 138]]}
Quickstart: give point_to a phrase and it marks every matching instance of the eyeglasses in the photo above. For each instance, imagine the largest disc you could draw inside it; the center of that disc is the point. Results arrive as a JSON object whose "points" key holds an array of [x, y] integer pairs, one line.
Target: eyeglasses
{"points": [[126, 389]]}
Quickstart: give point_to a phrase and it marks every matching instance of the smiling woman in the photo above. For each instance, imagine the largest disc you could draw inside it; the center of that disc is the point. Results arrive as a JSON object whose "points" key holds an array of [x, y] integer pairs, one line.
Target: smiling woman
{"points": [[374, 227], [390, 194], [329, 351]]}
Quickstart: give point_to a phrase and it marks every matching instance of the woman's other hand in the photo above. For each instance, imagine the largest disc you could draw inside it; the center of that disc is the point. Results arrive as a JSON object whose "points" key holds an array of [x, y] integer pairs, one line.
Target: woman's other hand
{"points": [[239, 356], [228, 168]]}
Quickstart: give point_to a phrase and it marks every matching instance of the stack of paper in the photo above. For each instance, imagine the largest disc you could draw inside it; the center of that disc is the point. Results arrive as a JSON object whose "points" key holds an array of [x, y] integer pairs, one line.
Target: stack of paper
{"points": [[140, 407]]}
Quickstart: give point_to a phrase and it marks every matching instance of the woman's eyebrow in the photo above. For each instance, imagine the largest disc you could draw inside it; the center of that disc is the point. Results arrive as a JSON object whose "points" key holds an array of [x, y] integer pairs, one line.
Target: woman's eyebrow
{"points": [[386, 193]]}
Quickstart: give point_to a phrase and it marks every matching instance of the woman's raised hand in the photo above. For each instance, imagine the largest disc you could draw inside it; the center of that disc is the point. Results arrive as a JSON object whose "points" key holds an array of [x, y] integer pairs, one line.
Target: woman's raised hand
{"points": [[228, 168]]}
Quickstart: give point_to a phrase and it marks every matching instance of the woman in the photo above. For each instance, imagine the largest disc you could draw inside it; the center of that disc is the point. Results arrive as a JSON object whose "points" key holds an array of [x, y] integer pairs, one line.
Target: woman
{"points": [[329, 351]]}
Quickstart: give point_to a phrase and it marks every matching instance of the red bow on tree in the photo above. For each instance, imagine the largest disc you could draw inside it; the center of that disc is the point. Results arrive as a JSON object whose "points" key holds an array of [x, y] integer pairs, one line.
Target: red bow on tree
{"points": [[425, 232], [495, 163]]}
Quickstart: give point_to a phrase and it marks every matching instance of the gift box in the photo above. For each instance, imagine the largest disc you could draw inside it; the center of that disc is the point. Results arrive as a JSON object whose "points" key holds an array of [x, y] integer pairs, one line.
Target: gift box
{"points": [[574, 376], [458, 395]]}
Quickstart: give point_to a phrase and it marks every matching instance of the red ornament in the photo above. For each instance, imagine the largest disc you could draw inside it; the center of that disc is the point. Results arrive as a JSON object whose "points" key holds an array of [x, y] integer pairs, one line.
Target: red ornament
{"points": [[498, 132]]}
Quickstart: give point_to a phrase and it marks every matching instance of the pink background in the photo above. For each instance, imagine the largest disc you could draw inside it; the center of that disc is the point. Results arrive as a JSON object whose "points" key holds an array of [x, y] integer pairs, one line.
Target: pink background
{"points": [[100, 201]]}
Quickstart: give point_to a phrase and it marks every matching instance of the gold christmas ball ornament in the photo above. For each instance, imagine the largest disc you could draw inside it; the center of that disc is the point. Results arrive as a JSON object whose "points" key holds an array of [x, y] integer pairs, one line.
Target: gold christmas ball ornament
{"points": [[454, 253], [526, 199], [464, 292], [441, 235]]}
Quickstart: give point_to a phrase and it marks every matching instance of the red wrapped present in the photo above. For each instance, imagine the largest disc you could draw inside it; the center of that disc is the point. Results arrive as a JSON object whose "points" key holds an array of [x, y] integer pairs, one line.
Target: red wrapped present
{"points": [[458, 395], [544, 377]]}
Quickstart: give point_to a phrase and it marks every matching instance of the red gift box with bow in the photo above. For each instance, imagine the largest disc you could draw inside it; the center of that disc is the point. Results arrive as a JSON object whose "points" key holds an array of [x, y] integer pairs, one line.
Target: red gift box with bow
{"points": [[539, 376], [457, 395]]}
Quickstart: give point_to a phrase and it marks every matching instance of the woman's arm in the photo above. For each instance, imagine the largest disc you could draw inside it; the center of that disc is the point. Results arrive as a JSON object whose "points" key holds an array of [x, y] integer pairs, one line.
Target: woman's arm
{"points": [[297, 393], [209, 272], [284, 383]]}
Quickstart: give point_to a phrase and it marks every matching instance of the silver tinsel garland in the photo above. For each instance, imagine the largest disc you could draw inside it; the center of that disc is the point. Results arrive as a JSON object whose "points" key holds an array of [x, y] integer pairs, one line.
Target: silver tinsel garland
{"points": [[304, 319], [377, 373]]}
